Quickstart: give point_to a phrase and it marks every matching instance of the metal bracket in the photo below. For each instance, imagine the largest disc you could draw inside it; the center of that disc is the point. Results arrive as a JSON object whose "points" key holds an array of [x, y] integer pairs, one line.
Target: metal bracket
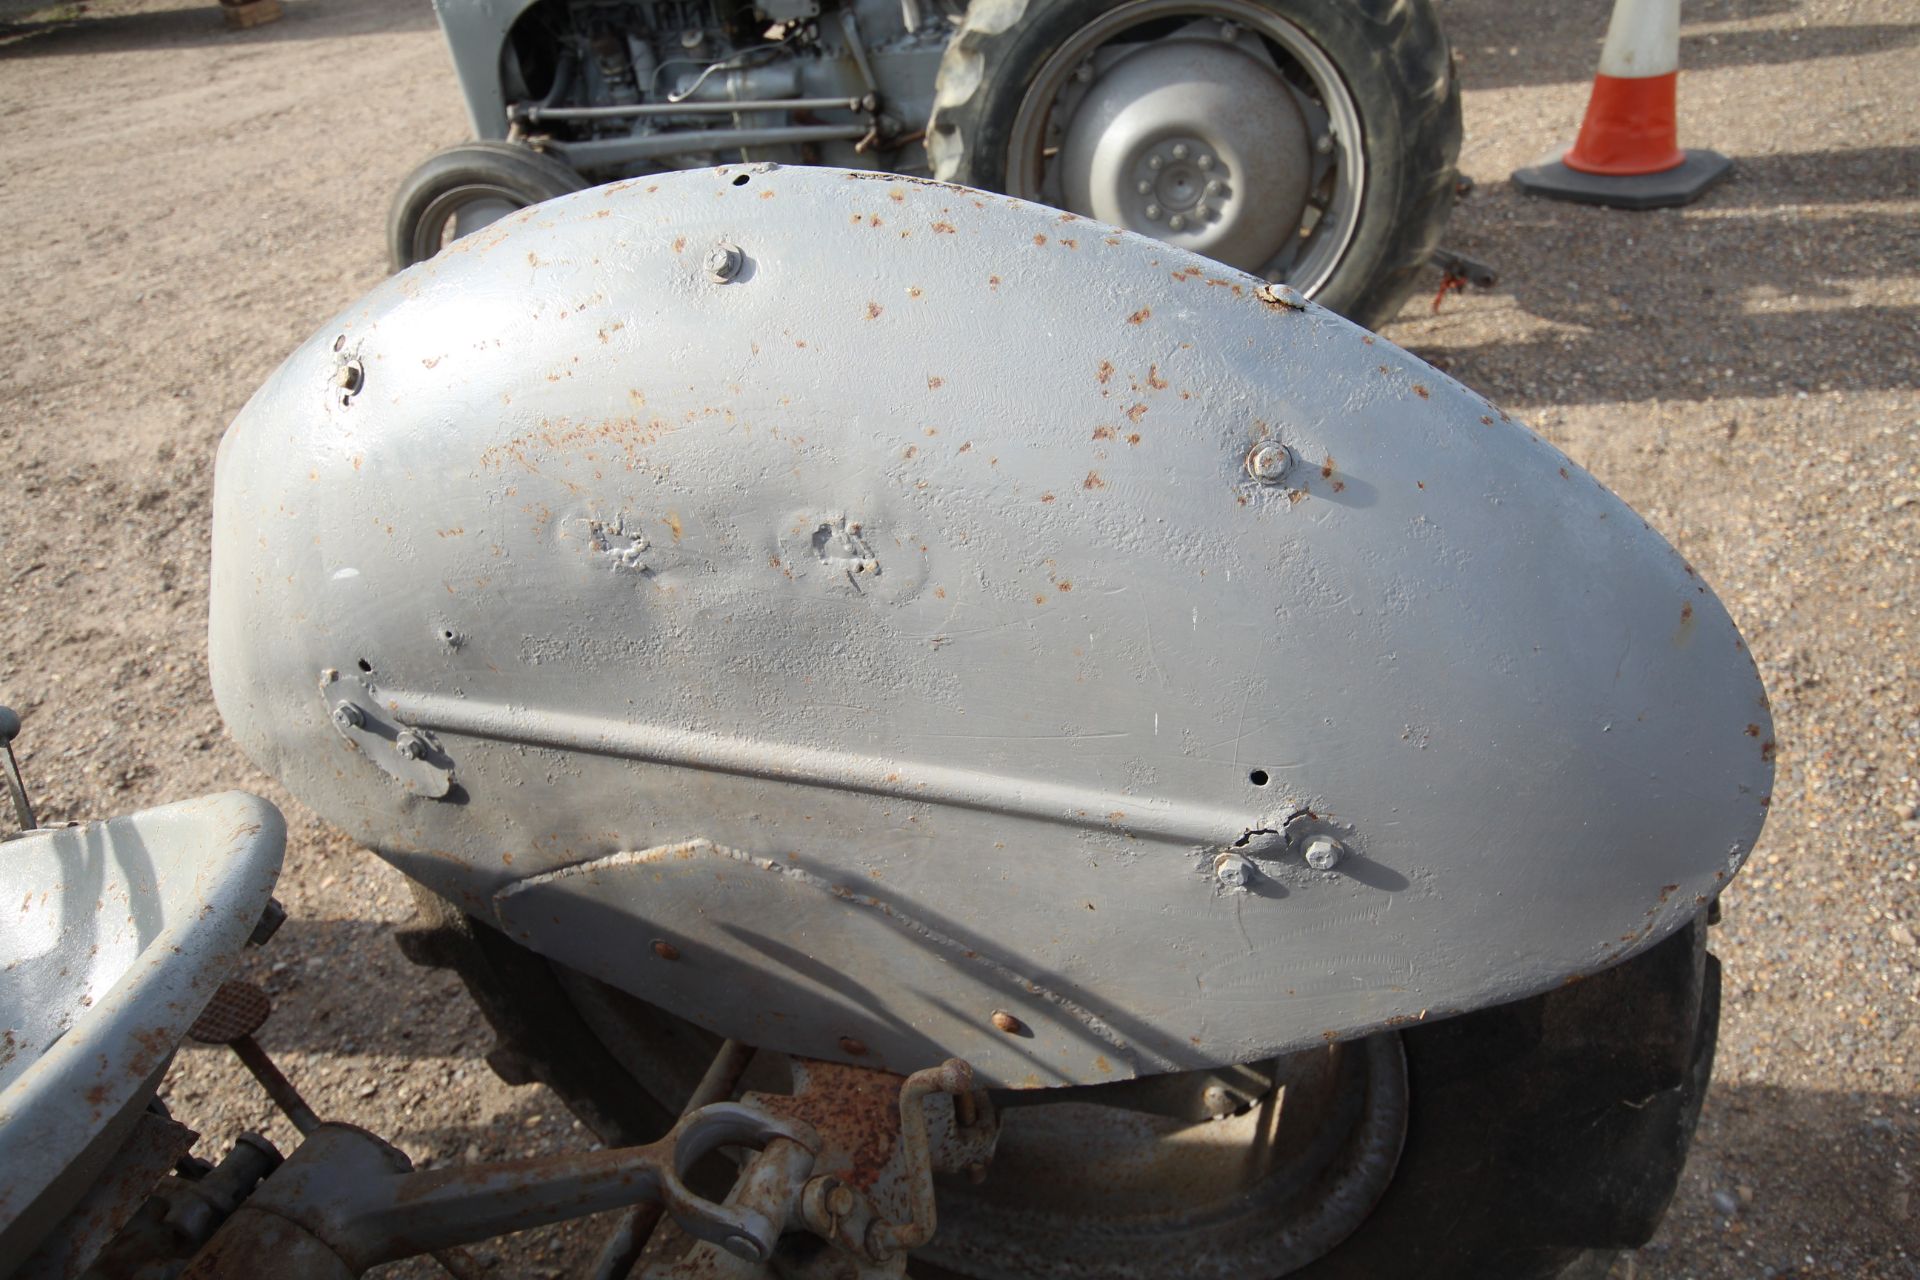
{"points": [[413, 757], [355, 1196]]}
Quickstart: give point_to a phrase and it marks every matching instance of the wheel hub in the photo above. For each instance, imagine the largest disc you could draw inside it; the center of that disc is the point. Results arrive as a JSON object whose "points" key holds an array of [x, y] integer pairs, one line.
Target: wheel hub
{"points": [[1194, 140]]}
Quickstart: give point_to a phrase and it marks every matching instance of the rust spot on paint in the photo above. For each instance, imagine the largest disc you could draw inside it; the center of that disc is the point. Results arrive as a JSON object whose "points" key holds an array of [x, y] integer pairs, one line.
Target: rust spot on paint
{"points": [[943, 228], [1140, 316], [1103, 433], [1564, 475], [1138, 412], [1039, 239], [1326, 468], [679, 244], [934, 384], [1420, 390], [1753, 731], [1133, 437], [993, 282], [1486, 419], [1093, 481], [1767, 751], [1046, 497], [1104, 374], [873, 310], [1154, 379]]}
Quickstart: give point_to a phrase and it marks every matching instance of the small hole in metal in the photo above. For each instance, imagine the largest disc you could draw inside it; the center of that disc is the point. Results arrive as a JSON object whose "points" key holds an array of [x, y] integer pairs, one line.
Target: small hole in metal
{"points": [[365, 665], [340, 342], [740, 181], [1258, 777]]}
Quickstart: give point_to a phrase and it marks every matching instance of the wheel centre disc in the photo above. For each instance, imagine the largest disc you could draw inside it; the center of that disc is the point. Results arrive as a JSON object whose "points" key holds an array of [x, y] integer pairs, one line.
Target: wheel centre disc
{"points": [[1195, 140]]}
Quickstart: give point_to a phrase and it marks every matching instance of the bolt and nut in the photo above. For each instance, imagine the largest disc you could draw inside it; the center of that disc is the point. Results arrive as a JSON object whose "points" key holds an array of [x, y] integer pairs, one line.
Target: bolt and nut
{"points": [[723, 262], [1232, 870], [1269, 462], [348, 716], [409, 744], [1323, 853], [1004, 1021]]}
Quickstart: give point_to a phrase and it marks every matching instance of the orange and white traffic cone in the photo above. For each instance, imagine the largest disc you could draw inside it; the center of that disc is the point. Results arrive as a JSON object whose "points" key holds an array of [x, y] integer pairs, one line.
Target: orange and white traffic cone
{"points": [[1628, 153]]}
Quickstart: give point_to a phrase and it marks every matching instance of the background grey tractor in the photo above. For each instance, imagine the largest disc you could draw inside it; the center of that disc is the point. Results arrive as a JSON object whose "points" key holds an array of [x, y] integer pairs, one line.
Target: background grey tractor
{"points": [[1305, 141]]}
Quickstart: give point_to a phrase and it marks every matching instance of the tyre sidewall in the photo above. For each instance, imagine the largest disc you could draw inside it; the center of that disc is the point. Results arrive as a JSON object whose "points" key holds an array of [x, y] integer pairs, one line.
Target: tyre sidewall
{"points": [[1395, 65], [519, 171]]}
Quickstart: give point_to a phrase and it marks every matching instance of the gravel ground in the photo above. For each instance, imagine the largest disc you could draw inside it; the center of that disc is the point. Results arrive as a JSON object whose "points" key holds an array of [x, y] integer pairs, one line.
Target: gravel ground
{"points": [[185, 203]]}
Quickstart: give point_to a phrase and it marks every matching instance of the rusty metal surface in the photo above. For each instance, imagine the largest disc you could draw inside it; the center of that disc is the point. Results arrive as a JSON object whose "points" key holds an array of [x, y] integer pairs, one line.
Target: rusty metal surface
{"points": [[117, 934], [1085, 1191], [923, 557], [360, 1196], [155, 1144]]}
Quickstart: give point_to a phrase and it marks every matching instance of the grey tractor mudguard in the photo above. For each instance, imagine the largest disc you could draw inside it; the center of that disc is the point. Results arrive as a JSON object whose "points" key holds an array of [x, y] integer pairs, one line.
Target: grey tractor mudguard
{"points": [[874, 643]]}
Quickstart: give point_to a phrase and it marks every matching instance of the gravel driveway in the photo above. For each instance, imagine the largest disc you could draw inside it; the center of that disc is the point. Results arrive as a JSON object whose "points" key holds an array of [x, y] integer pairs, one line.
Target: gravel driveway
{"points": [[183, 204]]}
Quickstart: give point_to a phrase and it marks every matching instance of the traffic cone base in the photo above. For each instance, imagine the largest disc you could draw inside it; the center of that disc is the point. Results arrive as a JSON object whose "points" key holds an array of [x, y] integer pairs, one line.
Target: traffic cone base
{"points": [[1683, 184]]}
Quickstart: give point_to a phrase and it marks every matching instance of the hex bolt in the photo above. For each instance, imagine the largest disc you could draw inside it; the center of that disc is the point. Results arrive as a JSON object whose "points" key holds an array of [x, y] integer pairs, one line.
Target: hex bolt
{"points": [[1269, 462], [1323, 144], [1176, 223], [1232, 870], [1324, 853], [723, 262], [348, 716], [1004, 1021], [409, 745]]}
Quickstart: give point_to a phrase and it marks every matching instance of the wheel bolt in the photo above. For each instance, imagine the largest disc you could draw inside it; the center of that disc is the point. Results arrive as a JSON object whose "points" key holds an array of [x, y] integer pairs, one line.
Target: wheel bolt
{"points": [[1144, 187], [1176, 223], [1205, 161], [1213, 188], [1323, 143], [1153, 213], [1155, 162], [1179, 151]]}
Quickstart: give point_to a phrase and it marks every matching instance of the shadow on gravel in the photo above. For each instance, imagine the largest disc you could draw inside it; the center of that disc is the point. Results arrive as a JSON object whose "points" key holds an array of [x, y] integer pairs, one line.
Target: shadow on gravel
{"points": [[1504, 46], [155, 30], [1758, 1149], [1759, 290]]}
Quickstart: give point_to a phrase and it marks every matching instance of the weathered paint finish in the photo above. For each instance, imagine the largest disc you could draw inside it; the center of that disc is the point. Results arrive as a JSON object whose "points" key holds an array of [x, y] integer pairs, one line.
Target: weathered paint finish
{"points": [[116, 934], [922, 559]]}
